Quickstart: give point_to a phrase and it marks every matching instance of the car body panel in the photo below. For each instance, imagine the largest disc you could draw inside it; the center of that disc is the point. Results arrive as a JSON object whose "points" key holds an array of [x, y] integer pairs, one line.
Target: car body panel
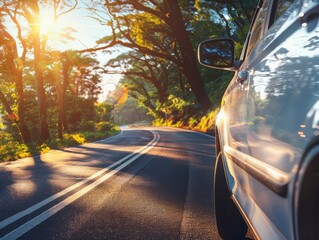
{"points": [[267, 121], [282, 91], [235, 134]]}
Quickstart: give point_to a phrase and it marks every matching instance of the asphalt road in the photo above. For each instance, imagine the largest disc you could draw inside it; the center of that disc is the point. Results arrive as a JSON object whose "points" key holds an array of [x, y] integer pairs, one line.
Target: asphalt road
{"points": [[145, 183]]}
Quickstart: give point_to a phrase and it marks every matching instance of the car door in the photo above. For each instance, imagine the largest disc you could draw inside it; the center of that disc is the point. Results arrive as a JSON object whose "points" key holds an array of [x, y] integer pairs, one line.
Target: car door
{"points": [[244, 109], [283, 91]]}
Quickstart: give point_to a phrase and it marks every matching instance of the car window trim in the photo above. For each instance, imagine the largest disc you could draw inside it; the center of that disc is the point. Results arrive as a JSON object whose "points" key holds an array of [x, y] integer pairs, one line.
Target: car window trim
{"points": [[266, 25], [273, 13]]}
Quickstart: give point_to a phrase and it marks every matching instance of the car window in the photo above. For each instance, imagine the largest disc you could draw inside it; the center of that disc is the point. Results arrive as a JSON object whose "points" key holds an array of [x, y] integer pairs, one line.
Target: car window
{"points": [[257, 29], [281, 7]]}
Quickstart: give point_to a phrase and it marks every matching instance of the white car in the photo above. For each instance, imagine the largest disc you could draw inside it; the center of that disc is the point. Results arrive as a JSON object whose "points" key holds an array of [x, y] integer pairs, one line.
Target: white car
{"points": [[267, 131]]}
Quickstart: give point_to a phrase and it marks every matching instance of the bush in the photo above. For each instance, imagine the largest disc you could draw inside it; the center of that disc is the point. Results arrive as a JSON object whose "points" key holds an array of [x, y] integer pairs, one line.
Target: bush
{"points": [[12, 150], [192, 122], [207, 123], [67, 141], [87, 126], [92, 136], [104, 126], [204, 124]]}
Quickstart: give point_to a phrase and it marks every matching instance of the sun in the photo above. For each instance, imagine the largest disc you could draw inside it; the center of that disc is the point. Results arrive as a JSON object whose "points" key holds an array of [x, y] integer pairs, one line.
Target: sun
{"points": [[57, 31], [47, 24], [76, 29], [47, 27]]}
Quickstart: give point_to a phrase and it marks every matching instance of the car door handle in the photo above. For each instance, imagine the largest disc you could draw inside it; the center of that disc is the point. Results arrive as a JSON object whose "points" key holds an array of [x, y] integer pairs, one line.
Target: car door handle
{"points": [[242, 76]]}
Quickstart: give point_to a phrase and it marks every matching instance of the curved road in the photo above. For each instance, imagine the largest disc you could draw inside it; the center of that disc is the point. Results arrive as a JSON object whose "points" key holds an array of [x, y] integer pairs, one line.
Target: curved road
{"points": [[145, 183]]}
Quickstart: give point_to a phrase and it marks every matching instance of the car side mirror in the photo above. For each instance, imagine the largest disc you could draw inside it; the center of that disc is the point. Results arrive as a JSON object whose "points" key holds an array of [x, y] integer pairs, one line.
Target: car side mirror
{"points": [[217, 53]]}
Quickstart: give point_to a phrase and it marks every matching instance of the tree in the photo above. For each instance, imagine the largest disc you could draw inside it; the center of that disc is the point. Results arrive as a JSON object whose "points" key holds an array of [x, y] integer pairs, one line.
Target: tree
{"points": [[154, 70], [149, 80], [157, 29], [130, 112], [25, 15], [14, 67], [171, 30], [189, 63], [31, 11]]}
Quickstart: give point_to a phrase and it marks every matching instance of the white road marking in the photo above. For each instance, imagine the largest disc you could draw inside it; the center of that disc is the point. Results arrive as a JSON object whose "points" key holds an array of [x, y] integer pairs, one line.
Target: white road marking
{"points": [[44, 202], [48, 213]]}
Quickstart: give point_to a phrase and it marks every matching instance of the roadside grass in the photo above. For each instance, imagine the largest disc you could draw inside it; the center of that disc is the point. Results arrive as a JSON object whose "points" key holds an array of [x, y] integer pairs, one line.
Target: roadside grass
{"points": [[205, 124], [12, 150]]}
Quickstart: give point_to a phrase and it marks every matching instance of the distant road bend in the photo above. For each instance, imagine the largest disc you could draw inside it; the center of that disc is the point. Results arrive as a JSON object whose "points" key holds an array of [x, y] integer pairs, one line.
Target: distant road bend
{"points": [[145, 183]]}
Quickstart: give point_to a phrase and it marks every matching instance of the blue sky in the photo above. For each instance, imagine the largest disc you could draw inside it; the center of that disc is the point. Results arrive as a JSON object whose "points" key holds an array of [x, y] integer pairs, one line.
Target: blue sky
{"points": [[88, 31]]}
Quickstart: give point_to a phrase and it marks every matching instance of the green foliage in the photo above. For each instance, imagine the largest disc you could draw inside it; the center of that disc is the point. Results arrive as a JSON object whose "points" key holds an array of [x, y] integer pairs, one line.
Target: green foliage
{"points": [[175, 108], [154, 74], [169, 99], [103, 111], [216, 82], [92, 136], [12, 150], [207, 122], [163, 122], [204, 123], [192, 122], [104, 126], [130, 112], [36, 149], [67, 141], [87, 125]]}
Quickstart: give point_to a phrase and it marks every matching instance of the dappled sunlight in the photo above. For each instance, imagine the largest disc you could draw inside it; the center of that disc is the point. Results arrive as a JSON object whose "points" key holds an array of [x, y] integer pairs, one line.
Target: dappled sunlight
{"points": [[22, 188], [18, 169], [85, 160], [59, 169], [67, 171], [102, 193], [139, 200], [25, 180], [22, 184]]}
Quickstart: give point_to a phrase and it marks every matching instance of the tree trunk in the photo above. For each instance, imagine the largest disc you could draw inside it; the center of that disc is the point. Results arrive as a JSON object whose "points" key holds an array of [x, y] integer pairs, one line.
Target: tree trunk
{"points": [[44, 128], [60, 103], [5, 103], [16, 73], [22, 109], [189, 63], [62, 121], [66, 67], [42, 104]]}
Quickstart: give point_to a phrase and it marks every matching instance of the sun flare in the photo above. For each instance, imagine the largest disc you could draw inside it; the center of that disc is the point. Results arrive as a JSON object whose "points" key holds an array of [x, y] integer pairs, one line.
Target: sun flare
{"points": [[47, 24], [57, 31]]}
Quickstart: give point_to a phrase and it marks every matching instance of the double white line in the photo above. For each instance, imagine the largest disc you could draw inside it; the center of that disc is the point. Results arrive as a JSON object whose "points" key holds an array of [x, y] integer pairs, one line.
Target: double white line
{"points": [[108, 172]]}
